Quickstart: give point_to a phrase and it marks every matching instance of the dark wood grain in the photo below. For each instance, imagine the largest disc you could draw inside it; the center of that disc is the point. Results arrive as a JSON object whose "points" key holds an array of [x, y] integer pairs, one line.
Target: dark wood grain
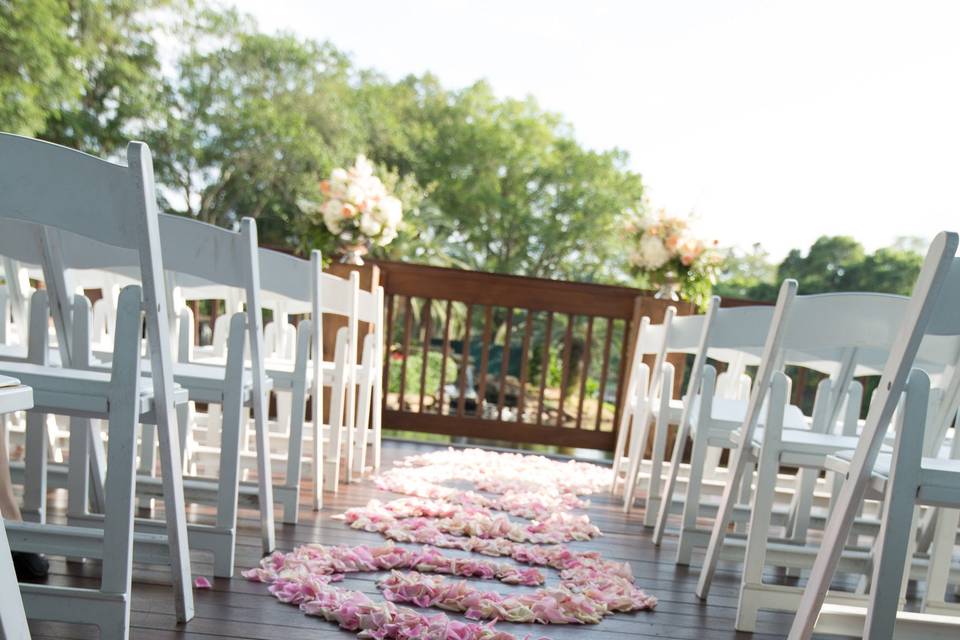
{"points": [[465, 361], [445, 356], [237, 608]]}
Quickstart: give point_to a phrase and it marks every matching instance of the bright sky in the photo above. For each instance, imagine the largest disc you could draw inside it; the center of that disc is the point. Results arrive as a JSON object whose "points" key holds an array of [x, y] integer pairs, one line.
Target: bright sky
{"points": [[773, 122]]}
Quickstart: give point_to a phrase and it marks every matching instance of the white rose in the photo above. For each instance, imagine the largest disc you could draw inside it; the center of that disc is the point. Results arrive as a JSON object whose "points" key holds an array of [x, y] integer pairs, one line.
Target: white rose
{"points": [[356, 194], [362, 167], [652, 253], [391, 211], [388, 235], [332, 218], [369, 226]]}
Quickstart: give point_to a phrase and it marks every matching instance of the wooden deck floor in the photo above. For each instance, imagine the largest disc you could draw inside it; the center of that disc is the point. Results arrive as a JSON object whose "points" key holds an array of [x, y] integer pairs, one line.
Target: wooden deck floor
{"points": [[237, 608]]}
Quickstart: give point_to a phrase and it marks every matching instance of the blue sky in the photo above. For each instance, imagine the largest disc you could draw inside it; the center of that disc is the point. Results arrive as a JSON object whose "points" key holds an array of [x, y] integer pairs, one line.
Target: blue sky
{"points": [[773, 122]]}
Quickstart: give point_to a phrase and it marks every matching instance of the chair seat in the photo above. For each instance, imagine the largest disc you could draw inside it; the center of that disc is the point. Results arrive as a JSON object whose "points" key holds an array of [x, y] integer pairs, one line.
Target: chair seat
{"points": [[14, 396], [809, 442], [205, 383], [939, 477], [79, 392], [728, 413], [282, 373], [675, 412], [17, 352]]}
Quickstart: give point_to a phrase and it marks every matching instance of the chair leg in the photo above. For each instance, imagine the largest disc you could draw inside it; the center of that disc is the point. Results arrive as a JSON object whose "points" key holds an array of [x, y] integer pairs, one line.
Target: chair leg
{"points": [[847, 506], [892, 551], [659, 449], [332, 463], [740, 465], [941, 552], [339, 394], [13, 622], [121, 477], [298, 408], [666, 500], [350, 432], [284, 410], [148, 464], [376, 409], [756, 551], [691, 504], [98, 468], [78, 470], [620, 448], [228, 491], [35, 469], [363, 427], [214, 418]]}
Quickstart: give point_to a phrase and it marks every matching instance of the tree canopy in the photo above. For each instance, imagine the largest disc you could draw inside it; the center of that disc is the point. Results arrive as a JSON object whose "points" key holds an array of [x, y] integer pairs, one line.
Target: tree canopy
{"points": [[246, 123], [833, 263]]}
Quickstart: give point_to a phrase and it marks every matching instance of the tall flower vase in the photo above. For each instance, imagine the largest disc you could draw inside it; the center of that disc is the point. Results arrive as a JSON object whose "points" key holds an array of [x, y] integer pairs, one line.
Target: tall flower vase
{"points": [[353, 253], [669, 288]]}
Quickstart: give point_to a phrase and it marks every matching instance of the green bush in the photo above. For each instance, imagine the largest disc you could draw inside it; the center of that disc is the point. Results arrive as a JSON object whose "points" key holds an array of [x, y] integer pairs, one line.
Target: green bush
{"points": [[414, 369]]}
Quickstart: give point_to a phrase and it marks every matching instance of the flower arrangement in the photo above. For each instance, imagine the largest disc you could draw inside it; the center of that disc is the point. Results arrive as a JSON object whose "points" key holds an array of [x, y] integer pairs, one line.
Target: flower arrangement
{"points": [[672, 258], [357, 208]]}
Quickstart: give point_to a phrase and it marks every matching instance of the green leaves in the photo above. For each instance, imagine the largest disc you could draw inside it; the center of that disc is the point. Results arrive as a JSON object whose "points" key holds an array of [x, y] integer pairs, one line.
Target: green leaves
{"points": [[245, 123]]}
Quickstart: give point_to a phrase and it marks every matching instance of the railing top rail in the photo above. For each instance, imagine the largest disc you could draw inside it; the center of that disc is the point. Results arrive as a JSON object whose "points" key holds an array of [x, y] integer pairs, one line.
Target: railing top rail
{"points": [[537, 294]]}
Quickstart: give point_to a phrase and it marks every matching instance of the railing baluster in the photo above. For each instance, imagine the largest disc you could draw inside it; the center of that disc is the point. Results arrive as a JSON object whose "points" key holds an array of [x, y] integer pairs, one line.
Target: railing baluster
{"points": [[607, 343], [565, 366], [405, 348], [504, 361], [524, 364], [585, 372], [425, 314], [446, 355], [465, 361], [389, 301], [484, 361], [622, 372], [545, 366]]}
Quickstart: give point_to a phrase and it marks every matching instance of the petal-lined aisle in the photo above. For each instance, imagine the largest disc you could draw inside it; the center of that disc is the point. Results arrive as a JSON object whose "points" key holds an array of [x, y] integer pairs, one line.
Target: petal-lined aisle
{"points": [[541, 490]]}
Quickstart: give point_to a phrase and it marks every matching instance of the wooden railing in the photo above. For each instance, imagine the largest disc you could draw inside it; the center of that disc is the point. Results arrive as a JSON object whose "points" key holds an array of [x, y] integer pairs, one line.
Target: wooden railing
{"points": [[508, 358]]}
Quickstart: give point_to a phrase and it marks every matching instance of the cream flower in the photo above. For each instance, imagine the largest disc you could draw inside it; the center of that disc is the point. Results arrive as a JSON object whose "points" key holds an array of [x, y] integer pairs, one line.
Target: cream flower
{"points": [[652, 253]]}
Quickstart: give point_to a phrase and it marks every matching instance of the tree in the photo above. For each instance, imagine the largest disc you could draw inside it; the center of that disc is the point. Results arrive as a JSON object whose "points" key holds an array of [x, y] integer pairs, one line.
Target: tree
{"points": [[513, 191], [250, 124], [826, 265], [833, 263], [116, 56], [750, 275], [35, 74]]}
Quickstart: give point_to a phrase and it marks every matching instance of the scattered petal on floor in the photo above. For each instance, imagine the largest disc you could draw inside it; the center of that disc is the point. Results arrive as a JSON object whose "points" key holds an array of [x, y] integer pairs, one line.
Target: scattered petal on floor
{"points": [[535, 488]]}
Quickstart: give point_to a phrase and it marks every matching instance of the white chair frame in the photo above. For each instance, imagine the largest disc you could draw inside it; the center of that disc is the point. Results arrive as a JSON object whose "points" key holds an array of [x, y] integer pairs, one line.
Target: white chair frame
{"points": [[933, 310], [227, 259], [59, 188]]}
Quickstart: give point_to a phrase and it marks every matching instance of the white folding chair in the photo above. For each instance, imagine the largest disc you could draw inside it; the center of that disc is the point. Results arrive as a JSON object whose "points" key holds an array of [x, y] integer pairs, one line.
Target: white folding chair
{"points": [[363, 379], [59, 188], [651, 340], [228, 260], [13, 622], [832, 322], [910, 478]]}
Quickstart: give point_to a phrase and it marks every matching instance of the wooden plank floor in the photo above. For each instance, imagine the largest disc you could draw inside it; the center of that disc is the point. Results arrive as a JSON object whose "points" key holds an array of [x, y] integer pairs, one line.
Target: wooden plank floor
{"points": [[236, 608]]}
